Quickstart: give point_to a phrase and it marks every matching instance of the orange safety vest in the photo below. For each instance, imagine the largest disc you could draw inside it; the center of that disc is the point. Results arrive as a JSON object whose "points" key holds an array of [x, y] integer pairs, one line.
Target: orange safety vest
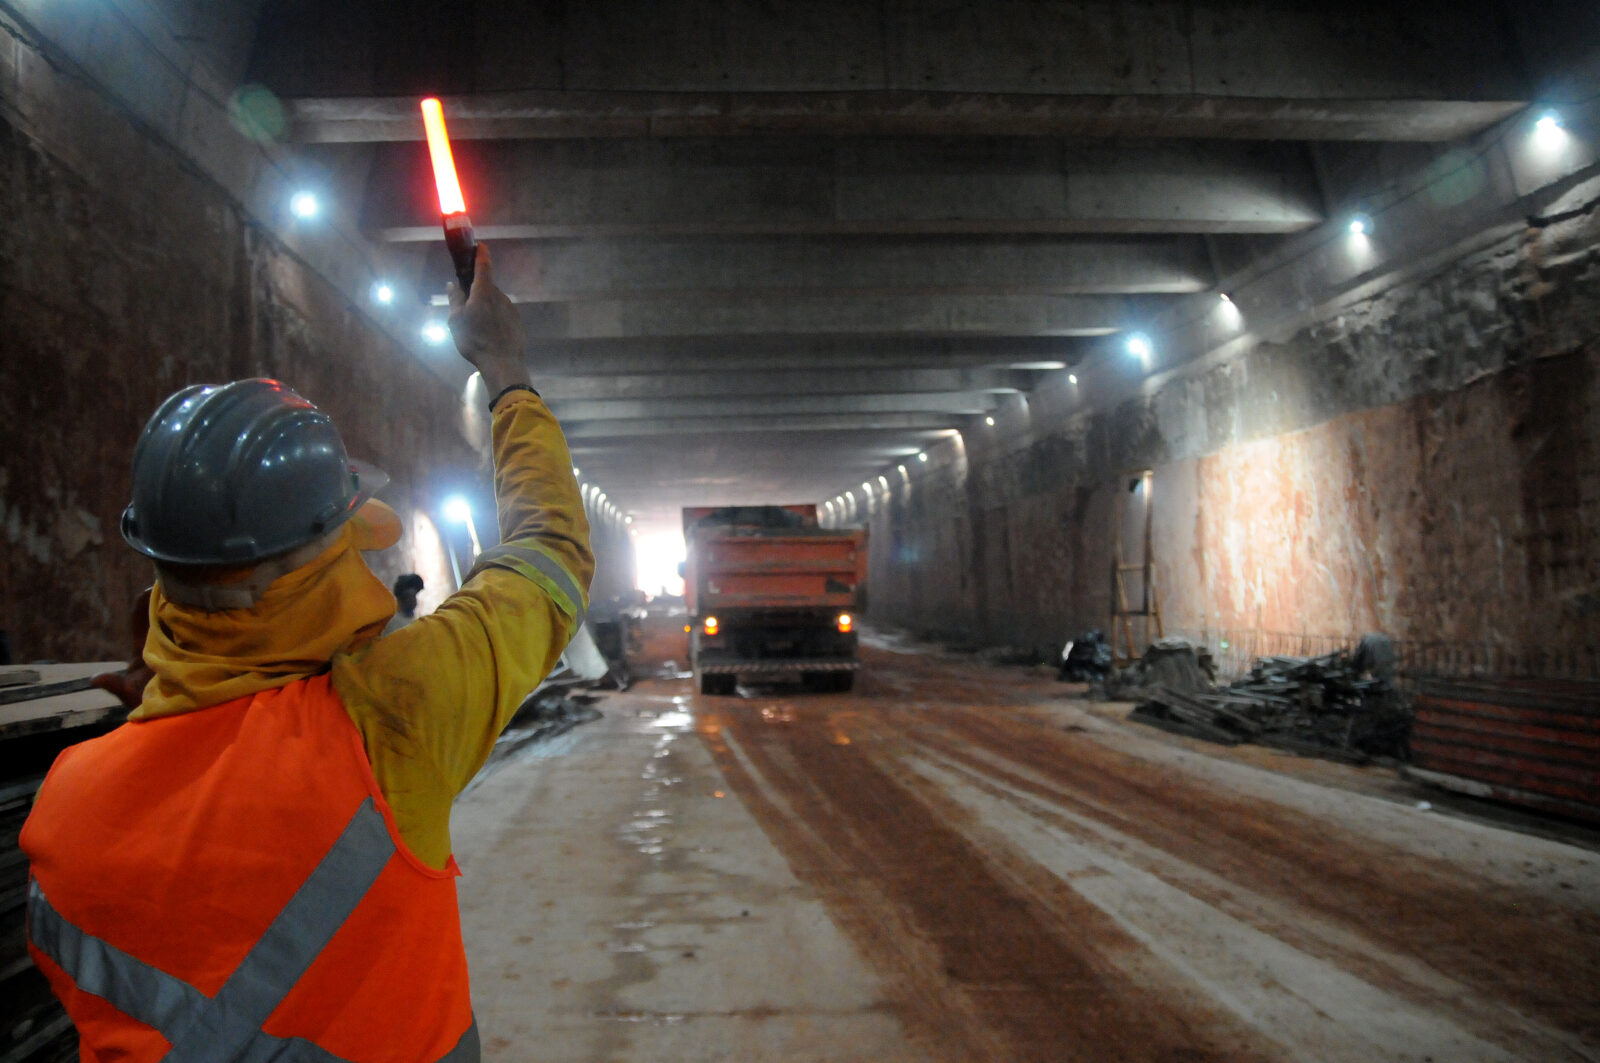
{"points": [[229, 884]]}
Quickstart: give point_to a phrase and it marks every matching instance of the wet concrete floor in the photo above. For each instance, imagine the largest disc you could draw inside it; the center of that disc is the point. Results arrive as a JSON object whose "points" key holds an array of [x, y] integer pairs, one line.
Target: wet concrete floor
{"points": [[959, 862]]}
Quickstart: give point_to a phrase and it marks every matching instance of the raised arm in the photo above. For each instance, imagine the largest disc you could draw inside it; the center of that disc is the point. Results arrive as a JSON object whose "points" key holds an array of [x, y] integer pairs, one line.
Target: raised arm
{"points": [[431, 699]]}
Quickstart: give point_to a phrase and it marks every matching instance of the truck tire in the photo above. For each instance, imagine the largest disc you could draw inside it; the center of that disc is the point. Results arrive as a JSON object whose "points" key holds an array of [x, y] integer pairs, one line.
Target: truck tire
{"points": [[718, 685], [827, 682]]}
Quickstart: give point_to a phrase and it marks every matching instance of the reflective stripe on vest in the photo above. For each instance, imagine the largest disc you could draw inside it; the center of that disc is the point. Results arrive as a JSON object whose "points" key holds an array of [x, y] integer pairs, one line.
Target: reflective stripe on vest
{"points": [[228, 1026], [544, 570]]}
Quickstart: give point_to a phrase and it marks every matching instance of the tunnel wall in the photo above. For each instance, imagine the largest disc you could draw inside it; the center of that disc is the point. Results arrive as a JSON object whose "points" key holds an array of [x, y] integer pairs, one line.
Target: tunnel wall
{"points": [[1421, 463], [128, 269], [124, 278]]}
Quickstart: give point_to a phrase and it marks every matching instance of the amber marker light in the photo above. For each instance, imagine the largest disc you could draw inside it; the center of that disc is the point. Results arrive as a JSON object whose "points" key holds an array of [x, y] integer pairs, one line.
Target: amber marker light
{"points": [[711, 625], [458, 235], [687, 629], [846, 623]]}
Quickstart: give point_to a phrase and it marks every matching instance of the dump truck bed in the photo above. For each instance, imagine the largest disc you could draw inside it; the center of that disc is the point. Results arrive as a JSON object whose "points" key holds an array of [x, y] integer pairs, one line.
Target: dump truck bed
{"points": [[778, 570]]}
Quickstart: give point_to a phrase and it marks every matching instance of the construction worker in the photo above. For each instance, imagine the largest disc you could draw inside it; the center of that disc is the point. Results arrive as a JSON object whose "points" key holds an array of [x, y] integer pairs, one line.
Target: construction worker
{"points": [[257, 865]]}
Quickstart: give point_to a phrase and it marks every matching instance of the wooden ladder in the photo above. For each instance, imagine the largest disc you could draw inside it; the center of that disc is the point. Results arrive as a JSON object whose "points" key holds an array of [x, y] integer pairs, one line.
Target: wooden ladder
{"points": [[1150, 606]]}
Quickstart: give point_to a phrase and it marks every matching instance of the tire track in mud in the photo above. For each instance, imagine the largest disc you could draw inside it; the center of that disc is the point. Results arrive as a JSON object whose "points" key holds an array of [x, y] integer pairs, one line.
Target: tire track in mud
{"points": [[1266, 960], [990, 961], [1510, 946]]}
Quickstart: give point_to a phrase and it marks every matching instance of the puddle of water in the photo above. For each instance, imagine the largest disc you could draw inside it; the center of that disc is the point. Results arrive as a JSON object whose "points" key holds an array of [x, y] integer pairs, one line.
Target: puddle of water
{"points": [[678, 720]]}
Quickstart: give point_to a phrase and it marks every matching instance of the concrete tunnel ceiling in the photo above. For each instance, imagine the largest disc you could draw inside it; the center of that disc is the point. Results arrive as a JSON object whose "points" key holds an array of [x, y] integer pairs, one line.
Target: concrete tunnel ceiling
{"points": [[766, 252]]}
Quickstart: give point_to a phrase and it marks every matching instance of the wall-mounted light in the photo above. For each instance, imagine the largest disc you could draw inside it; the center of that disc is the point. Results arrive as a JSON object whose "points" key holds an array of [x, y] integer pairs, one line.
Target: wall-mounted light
{"points": [[1549, 133], [1139, 347], [435, 332], [383, 293], [1225, 298], [1360, 225], [304, 205], [1072, 378], [989, 421], [923, 456]]}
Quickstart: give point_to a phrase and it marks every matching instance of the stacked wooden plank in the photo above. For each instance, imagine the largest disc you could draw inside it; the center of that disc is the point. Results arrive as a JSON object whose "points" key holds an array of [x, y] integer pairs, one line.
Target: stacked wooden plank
{"points": [[1321, 706], [46, 709], [1527, 741]]}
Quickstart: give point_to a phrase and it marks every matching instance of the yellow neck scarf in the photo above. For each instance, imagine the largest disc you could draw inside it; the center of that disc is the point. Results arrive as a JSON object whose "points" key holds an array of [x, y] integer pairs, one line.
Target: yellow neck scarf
{"points": [[304, 619]]}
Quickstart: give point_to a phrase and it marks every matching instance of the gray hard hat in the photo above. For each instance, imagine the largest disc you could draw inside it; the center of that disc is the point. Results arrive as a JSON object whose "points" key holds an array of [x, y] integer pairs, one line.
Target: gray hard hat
{"points": [[235, 474]]}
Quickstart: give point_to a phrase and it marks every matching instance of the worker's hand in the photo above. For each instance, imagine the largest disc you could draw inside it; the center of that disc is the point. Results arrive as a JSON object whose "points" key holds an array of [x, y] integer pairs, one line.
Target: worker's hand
{"points": [[488, 329], [127, 686]]}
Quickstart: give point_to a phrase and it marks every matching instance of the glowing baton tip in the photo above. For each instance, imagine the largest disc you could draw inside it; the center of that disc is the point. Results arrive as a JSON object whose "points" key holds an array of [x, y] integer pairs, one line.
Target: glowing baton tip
{"points": [[444, 165]]}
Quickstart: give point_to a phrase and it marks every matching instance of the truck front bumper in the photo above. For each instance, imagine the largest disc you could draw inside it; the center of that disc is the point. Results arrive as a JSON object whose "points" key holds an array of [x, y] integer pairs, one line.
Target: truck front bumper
{"points": [[776, 666]]}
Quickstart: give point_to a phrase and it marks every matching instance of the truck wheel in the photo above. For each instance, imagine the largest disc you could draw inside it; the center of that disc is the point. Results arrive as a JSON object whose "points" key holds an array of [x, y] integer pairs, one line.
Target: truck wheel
{"points": [[827, 682], [718, 685]]}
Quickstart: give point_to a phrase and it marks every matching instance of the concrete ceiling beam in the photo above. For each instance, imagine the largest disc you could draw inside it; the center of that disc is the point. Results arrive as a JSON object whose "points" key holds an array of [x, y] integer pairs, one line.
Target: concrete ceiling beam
{"points": [[843, 382], [563, 270], [850, 187], [904, 423], [544, 115], [623, 410], [552, 360], [703, 56], [865, 316]]}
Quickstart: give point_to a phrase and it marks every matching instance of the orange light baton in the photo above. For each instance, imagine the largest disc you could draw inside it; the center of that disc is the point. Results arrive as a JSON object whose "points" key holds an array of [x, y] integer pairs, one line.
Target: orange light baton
{"points": [[457, 226]]}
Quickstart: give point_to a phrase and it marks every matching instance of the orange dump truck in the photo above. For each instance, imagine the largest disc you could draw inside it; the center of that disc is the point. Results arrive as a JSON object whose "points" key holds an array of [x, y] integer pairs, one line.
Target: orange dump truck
{"points": [[771, 594]]}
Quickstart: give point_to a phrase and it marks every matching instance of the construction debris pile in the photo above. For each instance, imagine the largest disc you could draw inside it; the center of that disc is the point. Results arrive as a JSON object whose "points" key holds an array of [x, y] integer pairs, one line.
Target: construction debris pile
{"points": [[1343, 705], [1171, 664]]}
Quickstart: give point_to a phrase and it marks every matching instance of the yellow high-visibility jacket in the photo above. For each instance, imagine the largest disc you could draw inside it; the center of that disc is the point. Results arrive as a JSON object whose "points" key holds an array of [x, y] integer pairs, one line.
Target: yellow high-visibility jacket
{"points": [[430, 699]]}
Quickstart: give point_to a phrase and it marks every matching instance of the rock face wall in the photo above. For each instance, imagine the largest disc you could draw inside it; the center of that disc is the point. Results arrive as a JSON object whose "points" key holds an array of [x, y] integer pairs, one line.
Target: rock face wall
{"points": [[1423, 464]]}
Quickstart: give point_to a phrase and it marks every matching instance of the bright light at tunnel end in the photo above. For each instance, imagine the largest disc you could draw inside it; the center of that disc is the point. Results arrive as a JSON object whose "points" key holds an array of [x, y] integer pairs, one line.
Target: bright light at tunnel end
{"points": [[457, 509], [655, 560]]}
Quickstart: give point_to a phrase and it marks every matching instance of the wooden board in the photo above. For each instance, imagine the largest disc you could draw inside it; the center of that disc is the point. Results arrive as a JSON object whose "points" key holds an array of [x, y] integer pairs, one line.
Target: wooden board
{"points": [[77, 709]]}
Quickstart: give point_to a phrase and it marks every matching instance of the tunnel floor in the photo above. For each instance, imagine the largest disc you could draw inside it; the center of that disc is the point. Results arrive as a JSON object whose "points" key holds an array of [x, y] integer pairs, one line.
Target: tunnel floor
{"points": [[958, 862]]}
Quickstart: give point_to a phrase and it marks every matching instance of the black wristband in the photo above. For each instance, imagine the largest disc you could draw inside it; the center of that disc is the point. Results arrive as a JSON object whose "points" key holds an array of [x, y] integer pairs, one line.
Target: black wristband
{"points": [[508, 390]]}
